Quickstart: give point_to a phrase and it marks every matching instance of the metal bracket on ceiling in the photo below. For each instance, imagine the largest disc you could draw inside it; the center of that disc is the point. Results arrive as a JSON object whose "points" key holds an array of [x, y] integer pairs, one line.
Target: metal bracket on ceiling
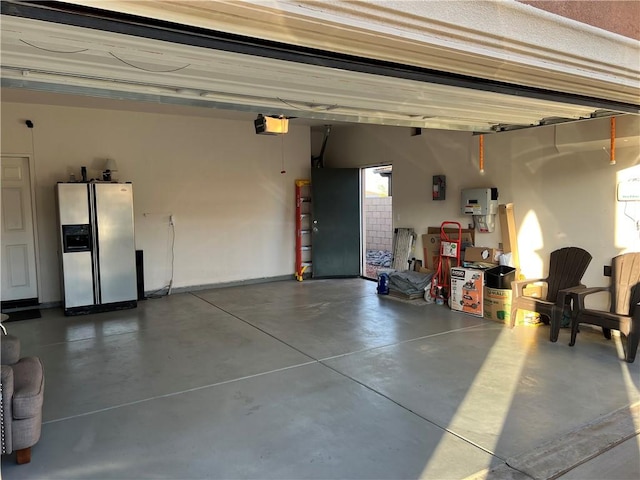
{"points": [[551, 121]]}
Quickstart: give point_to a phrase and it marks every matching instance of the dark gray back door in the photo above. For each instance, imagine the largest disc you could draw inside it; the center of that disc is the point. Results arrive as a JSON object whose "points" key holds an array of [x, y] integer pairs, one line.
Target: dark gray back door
{"points": [[336, 222]]}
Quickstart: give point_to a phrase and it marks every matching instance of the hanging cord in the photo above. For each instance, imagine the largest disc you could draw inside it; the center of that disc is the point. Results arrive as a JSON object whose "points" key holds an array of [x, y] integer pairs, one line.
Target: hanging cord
{"points": [[283, 171], [53, 51], [157, 293], [30, 125], [313, 108], [173, 254], [481, 153], [636, 221], [146, 69]]}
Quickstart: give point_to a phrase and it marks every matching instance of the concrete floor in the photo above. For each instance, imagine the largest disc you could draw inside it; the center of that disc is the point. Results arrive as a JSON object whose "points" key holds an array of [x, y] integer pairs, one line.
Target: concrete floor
{"points": [[322, 379]]}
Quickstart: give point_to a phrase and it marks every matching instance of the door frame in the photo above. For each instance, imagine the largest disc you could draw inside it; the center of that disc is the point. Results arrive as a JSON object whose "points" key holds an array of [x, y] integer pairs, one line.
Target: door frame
{"points": [[354, 176], [34, 213], [363, 219]]}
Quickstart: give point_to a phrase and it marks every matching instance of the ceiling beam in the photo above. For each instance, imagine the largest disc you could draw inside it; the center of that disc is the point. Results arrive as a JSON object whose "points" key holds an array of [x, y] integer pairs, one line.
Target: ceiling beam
{"points": [[126, 24]]}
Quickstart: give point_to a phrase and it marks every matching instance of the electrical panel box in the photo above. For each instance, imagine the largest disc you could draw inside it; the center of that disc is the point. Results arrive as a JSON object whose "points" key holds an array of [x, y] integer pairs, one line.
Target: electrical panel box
{"points": [[439, 187], [480, 201]]}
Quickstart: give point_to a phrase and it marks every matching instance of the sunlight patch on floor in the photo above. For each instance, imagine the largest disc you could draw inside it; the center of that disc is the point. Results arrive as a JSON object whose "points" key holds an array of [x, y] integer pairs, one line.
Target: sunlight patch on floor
{"points": [[489, 398], [630, 384]]}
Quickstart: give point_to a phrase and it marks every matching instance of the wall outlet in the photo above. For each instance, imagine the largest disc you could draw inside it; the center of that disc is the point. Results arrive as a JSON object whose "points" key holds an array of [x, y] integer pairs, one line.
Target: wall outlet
{"points": [[607, 270], [172, 220]]}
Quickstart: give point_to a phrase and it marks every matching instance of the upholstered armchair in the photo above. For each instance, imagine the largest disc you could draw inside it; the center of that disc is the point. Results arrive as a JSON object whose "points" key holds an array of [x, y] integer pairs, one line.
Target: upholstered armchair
{"points": [[22, 394]]}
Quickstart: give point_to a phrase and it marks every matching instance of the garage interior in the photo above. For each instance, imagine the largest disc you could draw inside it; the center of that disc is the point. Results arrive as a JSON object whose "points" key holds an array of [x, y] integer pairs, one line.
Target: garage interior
{"points": [[234, 369]]}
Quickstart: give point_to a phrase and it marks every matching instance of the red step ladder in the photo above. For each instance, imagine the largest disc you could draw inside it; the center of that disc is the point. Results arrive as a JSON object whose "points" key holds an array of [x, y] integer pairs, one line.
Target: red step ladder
{"points": [[303, 229]]}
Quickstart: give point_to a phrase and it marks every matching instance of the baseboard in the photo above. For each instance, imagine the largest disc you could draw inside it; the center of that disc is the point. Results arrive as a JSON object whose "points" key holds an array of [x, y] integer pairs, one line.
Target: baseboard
{"points": [[24, 314], [196, 288], [18, 304], [100, 308], [238, 283], [57, 304]]}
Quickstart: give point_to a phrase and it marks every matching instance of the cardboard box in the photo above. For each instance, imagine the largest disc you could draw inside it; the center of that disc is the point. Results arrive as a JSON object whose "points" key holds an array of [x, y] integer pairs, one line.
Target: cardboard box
{"points": [[528, 319], [431, 244], [525, 317], [534, 290], [497, 307], [470, 231], [497, 304], [481, 254], [467, 286]]}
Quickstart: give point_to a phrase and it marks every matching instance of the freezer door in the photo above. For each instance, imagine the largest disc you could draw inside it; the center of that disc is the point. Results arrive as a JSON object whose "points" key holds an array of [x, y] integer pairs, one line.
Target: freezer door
{"points": [[77, 266], [73, 203], [115, 242]]}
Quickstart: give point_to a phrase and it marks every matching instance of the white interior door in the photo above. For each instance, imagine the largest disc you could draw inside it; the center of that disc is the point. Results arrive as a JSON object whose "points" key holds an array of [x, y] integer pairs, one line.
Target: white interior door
{"points": [[18, 243]]}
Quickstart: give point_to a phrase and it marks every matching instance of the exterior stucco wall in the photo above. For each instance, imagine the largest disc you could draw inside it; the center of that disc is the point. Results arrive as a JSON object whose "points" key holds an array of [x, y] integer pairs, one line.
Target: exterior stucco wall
{"points": [[622, 17]]}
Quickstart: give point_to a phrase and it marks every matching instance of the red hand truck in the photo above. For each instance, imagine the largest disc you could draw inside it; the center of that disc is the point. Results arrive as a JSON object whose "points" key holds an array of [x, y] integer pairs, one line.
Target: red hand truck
{"points": [[449, 250]]}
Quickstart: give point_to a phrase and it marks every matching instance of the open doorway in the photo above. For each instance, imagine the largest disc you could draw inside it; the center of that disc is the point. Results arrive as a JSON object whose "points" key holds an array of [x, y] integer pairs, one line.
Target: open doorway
{"points": [[377, 220]]}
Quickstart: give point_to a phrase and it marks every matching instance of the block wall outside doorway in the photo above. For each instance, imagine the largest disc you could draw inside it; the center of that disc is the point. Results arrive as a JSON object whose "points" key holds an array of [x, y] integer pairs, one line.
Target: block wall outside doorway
{"points": [[378, 218]]}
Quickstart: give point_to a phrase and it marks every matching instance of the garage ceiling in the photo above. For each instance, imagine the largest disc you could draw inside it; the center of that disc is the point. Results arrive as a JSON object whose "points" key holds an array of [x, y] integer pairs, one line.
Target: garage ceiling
{"points": [[196, 69]]}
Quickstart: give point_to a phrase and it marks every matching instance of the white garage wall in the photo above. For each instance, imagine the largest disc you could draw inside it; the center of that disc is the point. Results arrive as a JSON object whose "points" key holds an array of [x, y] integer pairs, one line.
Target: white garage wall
{"points": [[561, 198], [233, 209]]}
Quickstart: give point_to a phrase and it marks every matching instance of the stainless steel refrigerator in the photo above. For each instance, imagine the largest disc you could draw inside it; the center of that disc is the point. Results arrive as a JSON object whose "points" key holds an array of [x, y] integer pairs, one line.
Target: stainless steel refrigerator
{"points": [[97, 246]]}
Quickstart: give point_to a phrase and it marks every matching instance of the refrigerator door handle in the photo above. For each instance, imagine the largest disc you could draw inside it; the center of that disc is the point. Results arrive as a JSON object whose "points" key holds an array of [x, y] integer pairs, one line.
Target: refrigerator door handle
{"points": [[94, 245]]}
